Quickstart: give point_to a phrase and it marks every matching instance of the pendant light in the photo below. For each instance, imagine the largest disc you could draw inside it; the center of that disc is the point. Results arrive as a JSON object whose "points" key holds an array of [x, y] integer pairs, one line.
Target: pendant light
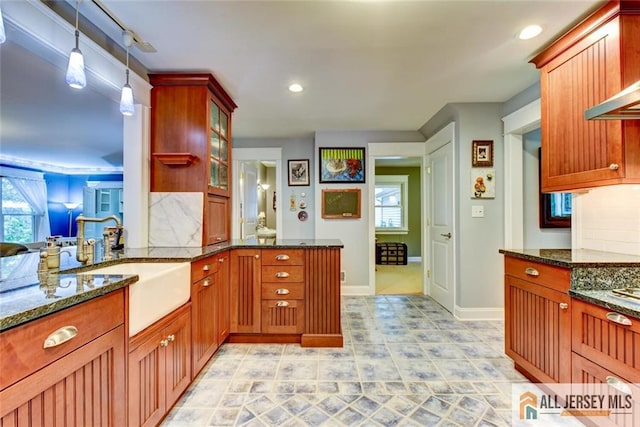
{"points": [[75, 70], [126, 98], [3, 35]]}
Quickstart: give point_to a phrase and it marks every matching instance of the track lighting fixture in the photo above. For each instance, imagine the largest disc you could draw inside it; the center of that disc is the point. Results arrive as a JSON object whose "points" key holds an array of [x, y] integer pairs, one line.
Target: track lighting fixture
{"points": [[75, 70], [126, 98], [3, 35]]}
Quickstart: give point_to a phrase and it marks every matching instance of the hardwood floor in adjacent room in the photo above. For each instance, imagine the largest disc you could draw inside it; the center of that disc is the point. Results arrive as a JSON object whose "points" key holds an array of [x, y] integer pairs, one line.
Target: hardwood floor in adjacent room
{"points": [[399, 279]]}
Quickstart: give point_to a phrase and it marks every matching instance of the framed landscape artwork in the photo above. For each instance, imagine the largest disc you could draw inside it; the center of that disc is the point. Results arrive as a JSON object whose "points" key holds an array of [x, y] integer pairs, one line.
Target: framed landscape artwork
{"points": [[342, 165]]}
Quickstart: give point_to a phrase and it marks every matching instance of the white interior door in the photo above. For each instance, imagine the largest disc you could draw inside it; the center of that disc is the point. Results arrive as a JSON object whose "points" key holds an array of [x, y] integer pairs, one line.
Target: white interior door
{"points": [[249, 206], [441, 226]]}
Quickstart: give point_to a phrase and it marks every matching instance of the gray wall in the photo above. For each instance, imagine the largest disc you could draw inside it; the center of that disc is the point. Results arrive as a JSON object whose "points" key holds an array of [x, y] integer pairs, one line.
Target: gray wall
{"points": [[479, 272]]}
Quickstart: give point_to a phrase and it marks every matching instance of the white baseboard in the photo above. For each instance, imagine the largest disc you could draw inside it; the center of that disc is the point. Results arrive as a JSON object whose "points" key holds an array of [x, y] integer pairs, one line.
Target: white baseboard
{"points": [[355, 290], [414, 259], [478, 313]]}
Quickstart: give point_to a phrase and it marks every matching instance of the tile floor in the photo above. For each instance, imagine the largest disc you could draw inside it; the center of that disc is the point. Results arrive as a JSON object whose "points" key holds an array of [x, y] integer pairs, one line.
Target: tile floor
{"points": [[406, 362]]}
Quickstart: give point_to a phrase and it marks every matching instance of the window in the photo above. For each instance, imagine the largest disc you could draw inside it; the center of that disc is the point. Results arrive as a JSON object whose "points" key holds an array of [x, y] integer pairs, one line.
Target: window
{"points": [[23, 216], [391, 211], [18, 218]]}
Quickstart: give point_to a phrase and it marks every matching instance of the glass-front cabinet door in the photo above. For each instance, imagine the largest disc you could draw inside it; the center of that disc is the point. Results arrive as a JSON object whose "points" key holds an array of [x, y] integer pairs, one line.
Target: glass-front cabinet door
{"points": [[219, 147]]}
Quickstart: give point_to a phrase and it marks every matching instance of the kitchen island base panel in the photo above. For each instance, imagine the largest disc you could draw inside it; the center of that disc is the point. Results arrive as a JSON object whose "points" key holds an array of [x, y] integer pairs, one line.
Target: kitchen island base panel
{"points": [[305, 340]]}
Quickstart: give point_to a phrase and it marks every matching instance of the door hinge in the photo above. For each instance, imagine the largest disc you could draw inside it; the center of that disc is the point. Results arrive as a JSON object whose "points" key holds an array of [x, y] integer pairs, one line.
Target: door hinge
{"points": [[429, 171], [428, 274], [428, 222]]}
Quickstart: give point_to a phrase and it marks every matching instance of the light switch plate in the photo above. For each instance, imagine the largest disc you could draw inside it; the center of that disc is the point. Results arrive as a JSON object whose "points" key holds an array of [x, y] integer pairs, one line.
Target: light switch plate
{"points": [[477, 211]]}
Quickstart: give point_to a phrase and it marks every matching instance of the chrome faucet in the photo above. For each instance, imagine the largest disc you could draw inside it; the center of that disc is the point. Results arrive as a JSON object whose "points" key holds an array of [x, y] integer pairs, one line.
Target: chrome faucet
{"points": [[81, 254]]}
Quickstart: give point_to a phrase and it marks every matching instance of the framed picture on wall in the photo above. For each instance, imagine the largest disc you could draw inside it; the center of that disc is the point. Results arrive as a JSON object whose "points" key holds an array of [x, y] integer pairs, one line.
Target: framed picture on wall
{"points": [[299, 172], [342, 165], [482, 154], [341, 204]]}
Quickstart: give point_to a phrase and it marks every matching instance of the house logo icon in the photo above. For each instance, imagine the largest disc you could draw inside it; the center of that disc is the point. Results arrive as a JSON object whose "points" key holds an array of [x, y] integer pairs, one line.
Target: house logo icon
{"points": [[528, 406]]}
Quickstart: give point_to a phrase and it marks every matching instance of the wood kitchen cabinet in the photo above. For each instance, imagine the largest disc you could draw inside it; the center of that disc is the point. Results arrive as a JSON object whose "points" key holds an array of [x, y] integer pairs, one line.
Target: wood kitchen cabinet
{"points": [[538, 320], [282, 291], [210, 311], [80, 381], [191, 144], [159, 367], [592, 62], [245, 291]]}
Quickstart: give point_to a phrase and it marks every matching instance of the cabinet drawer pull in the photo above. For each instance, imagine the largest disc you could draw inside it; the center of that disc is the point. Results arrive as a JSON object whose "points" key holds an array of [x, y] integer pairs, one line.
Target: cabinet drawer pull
{"points": [[220, 259], [171, 338], [530, 271], [206, 283], [60, 336], [282, 291], [564, 305], [618, 384], [282, 257], [614, 166], [282, 274], [218, 238], [206, 267], [282, 304], [618, 318], [164, 343]]}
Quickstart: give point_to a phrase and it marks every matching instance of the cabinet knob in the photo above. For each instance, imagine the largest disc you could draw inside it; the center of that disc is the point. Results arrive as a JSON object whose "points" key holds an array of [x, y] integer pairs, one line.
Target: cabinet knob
{"points": [[530, 271], [282, 257], [257, 256], [618, 384], [171, 338], [282, 291], [206, 267], [282, 304], [564, 305], [164, 343], [619, 318], [206, 283], [282, 274], [60, 336], [614, 166]]}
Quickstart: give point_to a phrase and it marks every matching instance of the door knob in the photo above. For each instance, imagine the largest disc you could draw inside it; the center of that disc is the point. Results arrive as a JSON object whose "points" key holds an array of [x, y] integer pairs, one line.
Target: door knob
{"points": [[447, 235]]}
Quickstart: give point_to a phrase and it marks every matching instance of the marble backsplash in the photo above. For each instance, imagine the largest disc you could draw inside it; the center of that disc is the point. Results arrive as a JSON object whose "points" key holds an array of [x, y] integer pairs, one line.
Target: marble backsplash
{"points": [[175, 219]]}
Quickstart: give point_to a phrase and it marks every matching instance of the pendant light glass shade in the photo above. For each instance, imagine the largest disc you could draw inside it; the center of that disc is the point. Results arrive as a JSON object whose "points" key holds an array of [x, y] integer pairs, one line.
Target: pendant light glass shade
{"points": [[126, 101], [3, 35], [75, 70]]}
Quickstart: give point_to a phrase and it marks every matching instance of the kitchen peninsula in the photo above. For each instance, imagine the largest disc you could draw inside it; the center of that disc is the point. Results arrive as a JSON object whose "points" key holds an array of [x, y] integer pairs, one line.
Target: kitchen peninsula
{"points": [[74, 330]]}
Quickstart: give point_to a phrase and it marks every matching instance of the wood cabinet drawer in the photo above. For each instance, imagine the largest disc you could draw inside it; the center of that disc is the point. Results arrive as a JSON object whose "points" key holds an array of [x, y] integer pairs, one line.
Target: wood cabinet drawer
{"points": [[557, 278], [606, 338], [282, 290], [282, 257], [272, 273], [204, 267], [282, 316], [23, 349], [590, 378]]}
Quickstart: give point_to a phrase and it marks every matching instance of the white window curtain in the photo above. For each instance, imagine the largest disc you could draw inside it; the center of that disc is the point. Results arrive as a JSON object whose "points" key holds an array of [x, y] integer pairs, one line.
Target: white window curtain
{"points": [[35, 193]]}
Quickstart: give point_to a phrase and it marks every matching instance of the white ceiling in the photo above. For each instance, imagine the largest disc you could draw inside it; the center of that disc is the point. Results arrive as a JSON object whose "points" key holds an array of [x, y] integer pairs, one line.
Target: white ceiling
{"points": [[365, 65]]}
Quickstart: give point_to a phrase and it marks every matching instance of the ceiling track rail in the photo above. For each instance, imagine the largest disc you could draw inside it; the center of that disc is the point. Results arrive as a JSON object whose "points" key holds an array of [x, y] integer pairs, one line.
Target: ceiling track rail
{"points": [[142, 45]]}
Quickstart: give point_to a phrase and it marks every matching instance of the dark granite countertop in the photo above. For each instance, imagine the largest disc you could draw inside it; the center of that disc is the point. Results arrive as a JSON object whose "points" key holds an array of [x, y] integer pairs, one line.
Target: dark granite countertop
{"points": [[23, 297], [573, 258], [593, 274], [605, 298]]}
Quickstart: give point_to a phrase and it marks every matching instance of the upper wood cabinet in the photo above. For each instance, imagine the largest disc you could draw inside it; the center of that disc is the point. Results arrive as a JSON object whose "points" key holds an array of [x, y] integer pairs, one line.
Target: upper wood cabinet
{"points": [[592, 62], [191, 144]]}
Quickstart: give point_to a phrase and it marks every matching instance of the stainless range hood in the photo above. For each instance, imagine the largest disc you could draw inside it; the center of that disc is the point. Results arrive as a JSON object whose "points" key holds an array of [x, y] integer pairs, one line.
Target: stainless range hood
{"points": [[623, 106]]}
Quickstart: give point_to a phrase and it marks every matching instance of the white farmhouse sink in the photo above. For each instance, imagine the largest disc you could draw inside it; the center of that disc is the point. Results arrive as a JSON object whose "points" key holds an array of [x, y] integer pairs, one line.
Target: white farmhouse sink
{"points": [[161, 288]]}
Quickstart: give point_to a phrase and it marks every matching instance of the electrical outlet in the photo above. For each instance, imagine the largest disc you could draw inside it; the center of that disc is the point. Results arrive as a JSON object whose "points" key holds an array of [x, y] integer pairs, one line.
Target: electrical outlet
{"points": [[477, 211], [343, 276]]}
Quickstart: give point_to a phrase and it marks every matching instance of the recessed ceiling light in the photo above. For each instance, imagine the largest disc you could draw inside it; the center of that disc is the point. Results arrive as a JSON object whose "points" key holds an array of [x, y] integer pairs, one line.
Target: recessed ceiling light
{"points": [[295, 87], [530, 32]]}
